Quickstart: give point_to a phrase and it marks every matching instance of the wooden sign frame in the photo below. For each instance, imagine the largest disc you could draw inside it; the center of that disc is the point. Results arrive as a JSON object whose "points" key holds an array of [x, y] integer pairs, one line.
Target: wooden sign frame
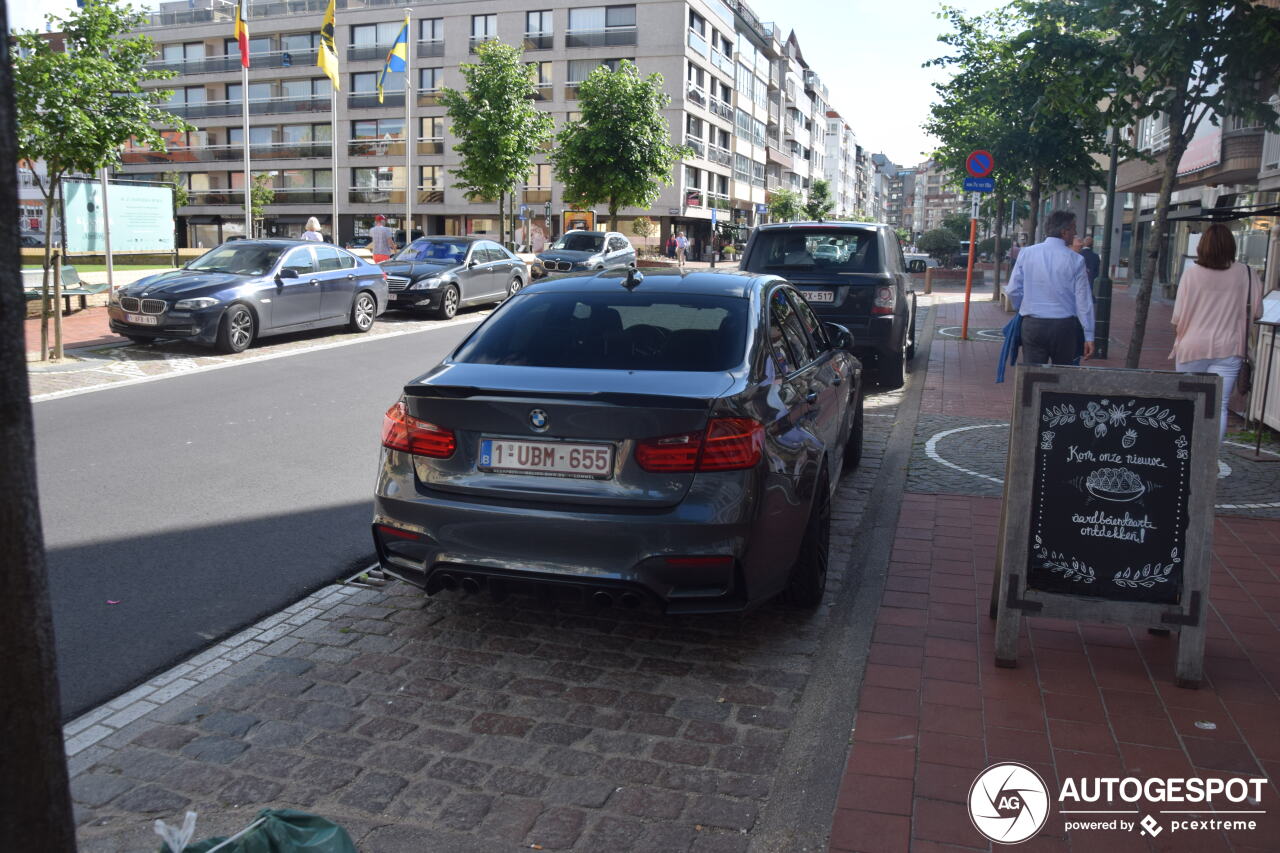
{"points": [[1197, 456]]}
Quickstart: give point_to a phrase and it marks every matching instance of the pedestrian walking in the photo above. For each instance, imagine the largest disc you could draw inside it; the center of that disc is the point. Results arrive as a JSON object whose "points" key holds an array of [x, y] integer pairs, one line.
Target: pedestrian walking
{"points": [[1013, 253], [1092, 263], [1050, 290], [1218, 299], [381, 240], [312, 233], [682, 248]]}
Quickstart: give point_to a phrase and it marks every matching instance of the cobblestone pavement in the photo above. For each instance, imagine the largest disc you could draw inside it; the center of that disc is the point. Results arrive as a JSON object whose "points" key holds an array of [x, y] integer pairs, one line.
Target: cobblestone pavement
{"points": [[114, 364], [966, 456], [461, 724]]}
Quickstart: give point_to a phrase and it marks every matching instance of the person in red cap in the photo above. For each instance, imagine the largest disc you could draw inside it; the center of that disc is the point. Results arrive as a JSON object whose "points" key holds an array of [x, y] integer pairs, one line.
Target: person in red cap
{"points": [[382, 240]]}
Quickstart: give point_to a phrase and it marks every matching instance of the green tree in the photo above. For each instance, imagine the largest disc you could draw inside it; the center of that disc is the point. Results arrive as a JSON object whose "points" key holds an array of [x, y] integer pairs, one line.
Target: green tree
{"points": [[77, 106], [497, 127], [619, 152], [957, 224], [261, 194], [785, 206], [1188, 61], [180, 193], [941, 243], [819, 205], [904, 234]]}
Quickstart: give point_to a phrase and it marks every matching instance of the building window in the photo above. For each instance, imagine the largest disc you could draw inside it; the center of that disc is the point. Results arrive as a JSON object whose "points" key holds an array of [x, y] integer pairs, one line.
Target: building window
{"points": [[431, 135], [580, 69], [430, 79], [257, 46], [542, 79], [538, 189], [430, 184], [431, 29], [377, 185], [366, 81], [741, 168], [483, 28], [598, 26], [377, 137], [538, 30], [301, 44]]}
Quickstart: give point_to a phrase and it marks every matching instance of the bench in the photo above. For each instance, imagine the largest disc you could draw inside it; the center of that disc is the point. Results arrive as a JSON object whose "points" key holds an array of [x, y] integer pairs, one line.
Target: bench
{"points": [[72, 287]]}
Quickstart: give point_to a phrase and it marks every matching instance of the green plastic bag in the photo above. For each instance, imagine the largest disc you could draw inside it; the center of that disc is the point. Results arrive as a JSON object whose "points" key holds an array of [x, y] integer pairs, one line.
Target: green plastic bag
{"points": [[280, 831]]}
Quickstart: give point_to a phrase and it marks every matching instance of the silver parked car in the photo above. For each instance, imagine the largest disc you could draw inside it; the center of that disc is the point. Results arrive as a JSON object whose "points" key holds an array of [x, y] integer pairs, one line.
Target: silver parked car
{"points": [[588, 250], [674, 439], [443, 274]]}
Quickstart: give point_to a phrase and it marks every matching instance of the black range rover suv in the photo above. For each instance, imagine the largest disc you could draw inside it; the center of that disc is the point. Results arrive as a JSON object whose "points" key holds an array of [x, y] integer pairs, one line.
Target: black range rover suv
{"points": [[851, 273]]}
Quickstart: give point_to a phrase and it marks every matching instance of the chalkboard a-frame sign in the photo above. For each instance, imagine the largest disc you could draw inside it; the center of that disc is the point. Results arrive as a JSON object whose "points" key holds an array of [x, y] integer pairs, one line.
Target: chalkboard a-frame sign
{"points": [[1108, 503]]}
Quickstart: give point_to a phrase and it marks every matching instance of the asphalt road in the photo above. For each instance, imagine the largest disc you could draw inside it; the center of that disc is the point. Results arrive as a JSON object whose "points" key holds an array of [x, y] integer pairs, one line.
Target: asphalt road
{"points": [[202, 503]]}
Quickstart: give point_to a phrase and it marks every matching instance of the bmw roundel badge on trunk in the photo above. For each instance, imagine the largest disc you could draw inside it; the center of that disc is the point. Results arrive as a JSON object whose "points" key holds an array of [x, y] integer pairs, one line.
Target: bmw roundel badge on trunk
{"points": [[538, 420]]}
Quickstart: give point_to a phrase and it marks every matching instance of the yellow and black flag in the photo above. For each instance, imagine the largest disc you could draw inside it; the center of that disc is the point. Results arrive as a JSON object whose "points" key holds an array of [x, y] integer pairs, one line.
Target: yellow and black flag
{"points": [[327, 59]]}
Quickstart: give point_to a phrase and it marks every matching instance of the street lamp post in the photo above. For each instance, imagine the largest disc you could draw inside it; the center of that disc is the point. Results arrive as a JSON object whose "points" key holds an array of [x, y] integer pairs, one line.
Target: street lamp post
{"points": [[1102, 301]]}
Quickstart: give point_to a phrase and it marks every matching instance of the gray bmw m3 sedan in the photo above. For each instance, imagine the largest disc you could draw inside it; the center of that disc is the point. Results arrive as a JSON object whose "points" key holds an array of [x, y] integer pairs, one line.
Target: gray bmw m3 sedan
{"points": [[669, 438]]}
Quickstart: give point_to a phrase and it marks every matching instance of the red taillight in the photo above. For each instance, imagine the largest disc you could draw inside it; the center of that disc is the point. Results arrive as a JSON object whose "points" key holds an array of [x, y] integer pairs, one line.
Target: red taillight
{"points": [[886, 301], [401, 431], [727, 444], [397, 533]]}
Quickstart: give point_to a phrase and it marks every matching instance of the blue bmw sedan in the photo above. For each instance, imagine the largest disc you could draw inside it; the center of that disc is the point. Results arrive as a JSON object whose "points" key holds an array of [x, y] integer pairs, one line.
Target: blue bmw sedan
{"points": [[247, 289], [670, 438]]}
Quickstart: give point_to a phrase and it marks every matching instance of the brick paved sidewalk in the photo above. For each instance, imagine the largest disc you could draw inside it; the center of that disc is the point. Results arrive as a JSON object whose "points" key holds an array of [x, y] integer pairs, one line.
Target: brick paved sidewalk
{"points": [[1085, 700]]}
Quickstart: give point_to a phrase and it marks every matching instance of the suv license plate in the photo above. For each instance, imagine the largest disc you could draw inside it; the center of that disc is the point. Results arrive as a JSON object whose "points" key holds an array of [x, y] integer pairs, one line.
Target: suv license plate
{"points": [[818, 295], [142, 319], [547, 458]]}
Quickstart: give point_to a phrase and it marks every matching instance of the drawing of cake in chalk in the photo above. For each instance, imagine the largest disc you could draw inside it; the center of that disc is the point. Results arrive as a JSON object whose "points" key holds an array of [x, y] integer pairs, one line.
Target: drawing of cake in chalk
{"points": [[1115, 484]]}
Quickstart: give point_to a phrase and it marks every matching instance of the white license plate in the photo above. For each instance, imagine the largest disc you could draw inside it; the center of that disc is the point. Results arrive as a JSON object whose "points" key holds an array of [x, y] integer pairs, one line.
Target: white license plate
{"points": [[549, 458], [818, 295], [142, 319]]}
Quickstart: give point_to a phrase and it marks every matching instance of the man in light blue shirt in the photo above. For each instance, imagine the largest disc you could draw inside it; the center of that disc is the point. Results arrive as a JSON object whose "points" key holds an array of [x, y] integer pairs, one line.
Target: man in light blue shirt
{"points": [[1050, 289]]}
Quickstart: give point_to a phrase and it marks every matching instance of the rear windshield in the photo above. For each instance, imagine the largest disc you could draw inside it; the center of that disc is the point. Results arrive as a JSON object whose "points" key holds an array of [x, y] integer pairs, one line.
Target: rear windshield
{"points": [[614, 331], [834, 250]]}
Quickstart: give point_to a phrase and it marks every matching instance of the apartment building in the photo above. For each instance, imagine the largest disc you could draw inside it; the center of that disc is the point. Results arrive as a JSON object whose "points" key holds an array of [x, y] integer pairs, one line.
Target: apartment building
{"points": [[742, 99], [841, 165], [936, 197]]}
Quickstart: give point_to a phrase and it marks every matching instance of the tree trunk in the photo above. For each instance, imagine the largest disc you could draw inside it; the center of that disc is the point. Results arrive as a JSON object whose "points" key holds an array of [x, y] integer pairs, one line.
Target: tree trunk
{"points": [[995, 250], [35, 805], [1035, 204], [613, 214], [1142, 299]]}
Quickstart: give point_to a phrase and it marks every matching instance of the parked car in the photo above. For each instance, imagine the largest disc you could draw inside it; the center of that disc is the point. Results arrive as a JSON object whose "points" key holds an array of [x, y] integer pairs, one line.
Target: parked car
{"points": [[577, 251], [359, 242], [31, 241], [919, 261], [240, 291], [443, 274], [666, 438], [863, 285]]}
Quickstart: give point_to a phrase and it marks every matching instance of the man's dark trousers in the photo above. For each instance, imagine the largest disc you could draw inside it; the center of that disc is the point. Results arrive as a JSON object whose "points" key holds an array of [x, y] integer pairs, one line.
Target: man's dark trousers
{"points": [[1050, 341]]}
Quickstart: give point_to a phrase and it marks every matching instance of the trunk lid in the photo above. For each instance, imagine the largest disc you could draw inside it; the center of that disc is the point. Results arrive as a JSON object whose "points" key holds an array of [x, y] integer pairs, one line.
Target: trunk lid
{"points": [[594, 408]]}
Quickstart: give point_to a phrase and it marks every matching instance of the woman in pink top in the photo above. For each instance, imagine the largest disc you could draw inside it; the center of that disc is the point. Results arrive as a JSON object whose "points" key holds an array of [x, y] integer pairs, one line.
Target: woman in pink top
{"points": [[1210, 329]]}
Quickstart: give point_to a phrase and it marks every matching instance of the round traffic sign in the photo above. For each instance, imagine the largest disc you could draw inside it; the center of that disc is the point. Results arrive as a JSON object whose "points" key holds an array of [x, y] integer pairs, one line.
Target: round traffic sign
{"points": [[980, 163]]}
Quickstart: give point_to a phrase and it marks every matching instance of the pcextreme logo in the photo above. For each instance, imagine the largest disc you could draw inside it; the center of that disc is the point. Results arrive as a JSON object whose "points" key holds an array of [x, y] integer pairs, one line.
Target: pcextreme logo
{"points": [[1009, 803]]}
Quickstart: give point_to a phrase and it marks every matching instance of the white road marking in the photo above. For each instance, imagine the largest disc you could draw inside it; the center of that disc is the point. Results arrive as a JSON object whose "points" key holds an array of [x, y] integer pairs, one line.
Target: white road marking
{"points": [[140, 379], [931, 450]]}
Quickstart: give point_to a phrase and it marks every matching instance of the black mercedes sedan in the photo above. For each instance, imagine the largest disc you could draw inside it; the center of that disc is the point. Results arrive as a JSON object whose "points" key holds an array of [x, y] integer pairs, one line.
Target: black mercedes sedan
{"points": [[443, 274], [669, 438], [248, 289]]}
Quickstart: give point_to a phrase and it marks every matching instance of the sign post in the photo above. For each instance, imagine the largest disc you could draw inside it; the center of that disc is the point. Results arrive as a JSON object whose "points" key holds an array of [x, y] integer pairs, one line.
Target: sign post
{"points": [[1115, 473], [979, 164], [713, 237]]}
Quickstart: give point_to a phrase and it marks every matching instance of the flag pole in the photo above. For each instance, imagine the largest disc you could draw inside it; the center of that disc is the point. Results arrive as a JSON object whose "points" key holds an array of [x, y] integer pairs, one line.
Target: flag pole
{"points": [[244, 103], [333, 164], [410, 135]]}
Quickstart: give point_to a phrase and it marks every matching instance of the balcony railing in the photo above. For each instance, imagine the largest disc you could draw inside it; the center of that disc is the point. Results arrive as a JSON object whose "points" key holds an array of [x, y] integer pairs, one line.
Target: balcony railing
{"points": [[719, 201], [428, 97], [430, 195], [719, 155], [1271, 152], [699, 150], [369, 100], [720, 108], [430, 145], [536, 195], [376, 195], [571, 91], [539, 41], [698, 43], [611, 37], [543, 91], [282, 196], [430, 48], [723, 62], [365, 52], [257, 106], [696, 95], [476, 41], [229, 153], [376, 147]]}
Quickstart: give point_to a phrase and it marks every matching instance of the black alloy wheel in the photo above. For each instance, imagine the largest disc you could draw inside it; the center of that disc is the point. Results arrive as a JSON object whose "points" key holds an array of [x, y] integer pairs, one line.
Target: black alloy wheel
{"points": [[237, 330], [809, 573], [363, 311]]}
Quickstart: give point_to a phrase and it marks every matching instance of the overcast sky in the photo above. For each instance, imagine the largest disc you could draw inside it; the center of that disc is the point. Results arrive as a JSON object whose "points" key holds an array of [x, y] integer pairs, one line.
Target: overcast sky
{"points": [[868, 53]]}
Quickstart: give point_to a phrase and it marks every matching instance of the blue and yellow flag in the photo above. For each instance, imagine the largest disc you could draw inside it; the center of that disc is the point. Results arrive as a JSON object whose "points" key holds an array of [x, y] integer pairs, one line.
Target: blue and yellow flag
{"points": [[397, 57]]}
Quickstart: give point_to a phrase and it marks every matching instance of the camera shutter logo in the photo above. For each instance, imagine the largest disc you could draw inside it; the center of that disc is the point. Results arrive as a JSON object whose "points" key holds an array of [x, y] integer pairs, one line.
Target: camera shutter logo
{"points": [[1008, 803]]}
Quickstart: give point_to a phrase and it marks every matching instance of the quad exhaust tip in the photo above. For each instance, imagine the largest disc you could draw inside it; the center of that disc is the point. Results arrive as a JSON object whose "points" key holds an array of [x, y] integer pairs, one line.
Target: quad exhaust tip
{"points": [[630, 600], [602, 598], [448, 582], [470, 585]]}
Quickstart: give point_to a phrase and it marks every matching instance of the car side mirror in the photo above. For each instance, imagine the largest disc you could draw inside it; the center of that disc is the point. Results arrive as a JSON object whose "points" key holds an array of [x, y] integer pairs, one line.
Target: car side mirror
{"points": [[287, 272], [472, 264], [840, 337]]}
